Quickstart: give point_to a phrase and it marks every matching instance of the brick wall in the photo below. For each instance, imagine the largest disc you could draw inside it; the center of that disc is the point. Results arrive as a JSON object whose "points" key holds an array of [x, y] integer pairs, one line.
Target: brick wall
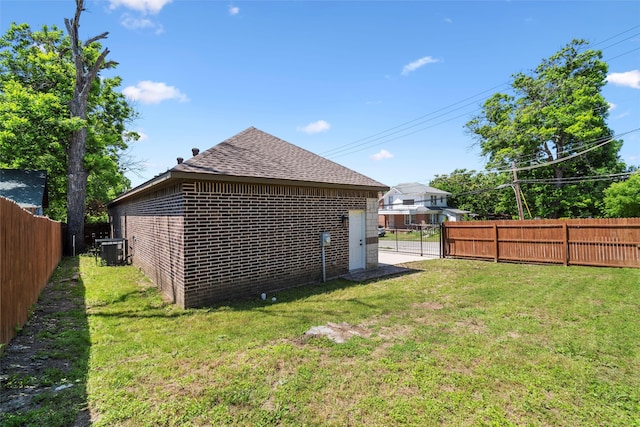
{"points": [[245, 239], [205, 242], [153, 225], [397, 221]]}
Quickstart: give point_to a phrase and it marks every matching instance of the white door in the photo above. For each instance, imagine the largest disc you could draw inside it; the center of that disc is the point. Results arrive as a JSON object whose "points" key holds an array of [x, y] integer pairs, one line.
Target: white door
{"points": [[356, 240]]}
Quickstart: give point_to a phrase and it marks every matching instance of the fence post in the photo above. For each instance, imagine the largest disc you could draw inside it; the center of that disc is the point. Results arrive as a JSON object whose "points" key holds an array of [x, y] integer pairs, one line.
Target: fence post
{"points": [[442, 240], [565, 232], [495, 241]]}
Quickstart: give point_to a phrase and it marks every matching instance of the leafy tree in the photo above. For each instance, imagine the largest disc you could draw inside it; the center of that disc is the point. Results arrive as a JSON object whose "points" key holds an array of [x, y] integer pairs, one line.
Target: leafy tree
{"points": [[476, 191], [33, 126], [622, 199], [553, 115], [57, 114]]}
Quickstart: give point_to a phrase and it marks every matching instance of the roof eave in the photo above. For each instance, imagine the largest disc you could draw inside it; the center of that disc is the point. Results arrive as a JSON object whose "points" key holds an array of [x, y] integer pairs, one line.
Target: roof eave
{"points": [[172, 175], [142, 188]]}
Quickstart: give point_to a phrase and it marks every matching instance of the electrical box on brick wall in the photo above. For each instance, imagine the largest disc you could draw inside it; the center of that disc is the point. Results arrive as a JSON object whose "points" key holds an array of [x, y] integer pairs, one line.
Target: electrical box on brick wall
{"points": [[325, 238]]}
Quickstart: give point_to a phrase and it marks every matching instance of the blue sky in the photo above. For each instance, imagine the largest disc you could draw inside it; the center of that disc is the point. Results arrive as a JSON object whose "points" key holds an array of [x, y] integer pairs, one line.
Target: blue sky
{"points": [[382, 87]]}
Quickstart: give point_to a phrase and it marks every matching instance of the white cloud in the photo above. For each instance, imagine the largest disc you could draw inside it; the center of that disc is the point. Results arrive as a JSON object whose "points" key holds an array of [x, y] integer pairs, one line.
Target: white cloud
{"points": [[417, 64], [148, 92], [612, 106], [448, 20], [381, 155], [234, 10], [315, 127], [629, 78], [144, 6], [133, 23]]}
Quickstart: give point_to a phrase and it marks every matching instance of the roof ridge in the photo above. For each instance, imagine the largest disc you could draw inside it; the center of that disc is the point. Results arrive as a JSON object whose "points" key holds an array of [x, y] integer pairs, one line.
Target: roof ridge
{"points": [[259, 154]]}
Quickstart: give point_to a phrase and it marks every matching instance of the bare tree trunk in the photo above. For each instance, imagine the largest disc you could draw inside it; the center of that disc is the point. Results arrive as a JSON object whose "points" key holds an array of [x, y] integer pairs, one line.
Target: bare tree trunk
{"points": [[76, 188], [76, 173]]}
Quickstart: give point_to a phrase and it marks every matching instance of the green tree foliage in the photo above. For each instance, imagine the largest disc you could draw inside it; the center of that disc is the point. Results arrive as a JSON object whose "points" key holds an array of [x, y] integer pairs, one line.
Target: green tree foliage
{"points": [[622, 199], [36, 88], [553, 114], [477, 192]]}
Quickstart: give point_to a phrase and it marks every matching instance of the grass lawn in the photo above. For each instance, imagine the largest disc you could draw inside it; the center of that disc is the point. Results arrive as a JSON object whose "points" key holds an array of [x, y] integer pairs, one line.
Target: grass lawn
{"points": [[457, 343]]}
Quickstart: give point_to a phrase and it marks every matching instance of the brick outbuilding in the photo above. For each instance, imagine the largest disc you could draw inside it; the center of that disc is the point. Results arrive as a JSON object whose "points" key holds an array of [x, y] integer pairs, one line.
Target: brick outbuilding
{"points": [[245, 217]]}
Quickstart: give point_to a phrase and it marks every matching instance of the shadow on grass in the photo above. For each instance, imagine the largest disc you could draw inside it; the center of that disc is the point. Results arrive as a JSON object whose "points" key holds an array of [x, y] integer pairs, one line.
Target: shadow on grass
{"points": [[44, 369], [110, 309], [310, 290]]}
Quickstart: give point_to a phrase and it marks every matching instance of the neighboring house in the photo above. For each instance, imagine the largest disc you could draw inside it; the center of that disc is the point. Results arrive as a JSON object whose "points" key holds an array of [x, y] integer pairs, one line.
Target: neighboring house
{"points": [[245, 218], [27, 188], [452, 214], [414, 205]]}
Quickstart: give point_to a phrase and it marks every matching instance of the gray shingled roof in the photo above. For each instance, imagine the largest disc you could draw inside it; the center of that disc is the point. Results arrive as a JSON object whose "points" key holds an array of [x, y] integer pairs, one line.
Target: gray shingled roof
{"points": [[257, 154], [417, 188], [25, 187]]}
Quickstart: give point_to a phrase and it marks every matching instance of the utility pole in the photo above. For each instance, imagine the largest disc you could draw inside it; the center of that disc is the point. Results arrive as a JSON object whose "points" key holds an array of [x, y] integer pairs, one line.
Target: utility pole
{"points": [[516, 189]]}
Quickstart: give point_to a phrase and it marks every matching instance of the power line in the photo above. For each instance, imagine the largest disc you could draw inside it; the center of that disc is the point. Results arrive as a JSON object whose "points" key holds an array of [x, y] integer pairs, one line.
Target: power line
{"points": [[578, 179], [571, 156], [616, 35], [370, 145], [620, 41], [399, 131], [564, 181], [536, 157], [403, 126]]}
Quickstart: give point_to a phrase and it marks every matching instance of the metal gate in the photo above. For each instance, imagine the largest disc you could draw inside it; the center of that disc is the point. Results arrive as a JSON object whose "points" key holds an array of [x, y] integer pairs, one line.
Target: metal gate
{"points": [[425, 240]]}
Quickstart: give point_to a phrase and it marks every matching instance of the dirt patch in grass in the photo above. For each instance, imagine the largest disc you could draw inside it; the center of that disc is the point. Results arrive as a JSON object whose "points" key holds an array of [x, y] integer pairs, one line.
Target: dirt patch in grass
{"points": [[429, 305], [339, 332], [474, 326]]}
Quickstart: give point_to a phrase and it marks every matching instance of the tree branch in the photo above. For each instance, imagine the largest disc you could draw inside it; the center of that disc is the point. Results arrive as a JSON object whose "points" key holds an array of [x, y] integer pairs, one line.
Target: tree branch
{"points": [[96, 38], [72, 29], [110, 64], [84, 79], [92, 73], [545, 148]]}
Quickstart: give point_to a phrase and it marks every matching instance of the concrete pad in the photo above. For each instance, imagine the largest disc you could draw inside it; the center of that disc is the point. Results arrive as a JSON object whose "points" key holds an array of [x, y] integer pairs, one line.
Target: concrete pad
{"points": [[395, 258]]}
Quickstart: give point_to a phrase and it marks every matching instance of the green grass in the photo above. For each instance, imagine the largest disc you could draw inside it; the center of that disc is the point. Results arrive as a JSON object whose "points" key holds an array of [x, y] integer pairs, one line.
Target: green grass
{"points": [[457, 343]]}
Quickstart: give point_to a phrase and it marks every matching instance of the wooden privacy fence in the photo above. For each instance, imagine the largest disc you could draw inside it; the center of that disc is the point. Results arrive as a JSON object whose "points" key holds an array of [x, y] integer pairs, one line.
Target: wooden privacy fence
{"points": [[598, 242], [30, 250]]}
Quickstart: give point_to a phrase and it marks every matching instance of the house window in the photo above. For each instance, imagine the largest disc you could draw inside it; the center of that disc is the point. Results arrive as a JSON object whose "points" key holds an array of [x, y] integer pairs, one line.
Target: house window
{"points": [[409, 219], [434, 200], [441, 199], [390, 200], [408, 202]]}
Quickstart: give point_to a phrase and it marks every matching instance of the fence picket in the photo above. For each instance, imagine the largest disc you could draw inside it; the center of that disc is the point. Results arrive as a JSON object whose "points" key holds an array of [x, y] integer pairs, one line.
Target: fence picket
{"points": [[30, 250], [613, 242]]}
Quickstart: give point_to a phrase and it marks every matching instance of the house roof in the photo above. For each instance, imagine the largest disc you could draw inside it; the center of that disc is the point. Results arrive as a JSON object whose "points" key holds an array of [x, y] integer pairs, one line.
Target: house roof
{"points": [[257, 156], [456, 211], [25, 187], [417, 188], [414, 189]]}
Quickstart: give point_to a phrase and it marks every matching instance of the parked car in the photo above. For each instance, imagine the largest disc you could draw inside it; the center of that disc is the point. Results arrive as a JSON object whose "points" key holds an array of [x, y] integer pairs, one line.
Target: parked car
{"points": [[381, 231]]}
